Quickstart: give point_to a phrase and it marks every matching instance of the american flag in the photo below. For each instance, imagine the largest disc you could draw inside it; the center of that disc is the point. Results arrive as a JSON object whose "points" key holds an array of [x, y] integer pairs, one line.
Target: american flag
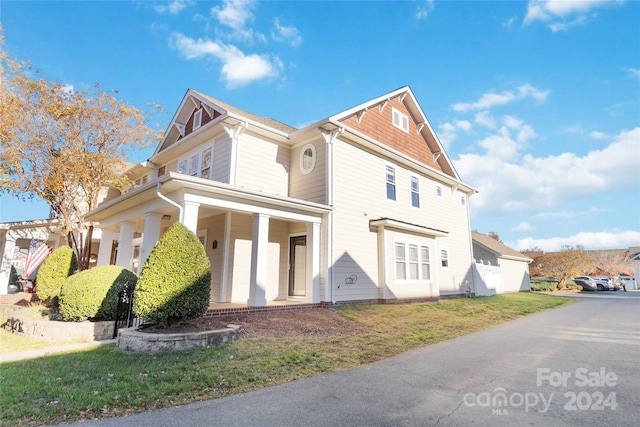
{"points": [[38, 251]]}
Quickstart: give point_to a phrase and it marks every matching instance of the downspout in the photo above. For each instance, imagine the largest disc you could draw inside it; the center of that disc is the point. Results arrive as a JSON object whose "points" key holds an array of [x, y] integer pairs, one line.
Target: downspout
{"points": [[329, 137], [168, 200]]}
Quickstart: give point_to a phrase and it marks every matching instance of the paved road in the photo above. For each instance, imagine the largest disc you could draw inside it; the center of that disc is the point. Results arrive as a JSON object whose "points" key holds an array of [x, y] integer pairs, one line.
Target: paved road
{"points": [[578, 365]]}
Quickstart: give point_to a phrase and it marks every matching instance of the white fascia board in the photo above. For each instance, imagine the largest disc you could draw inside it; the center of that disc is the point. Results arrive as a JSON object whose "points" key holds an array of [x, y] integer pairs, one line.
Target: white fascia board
{"points": [[258, 125], [392, 224], [344, 114]]}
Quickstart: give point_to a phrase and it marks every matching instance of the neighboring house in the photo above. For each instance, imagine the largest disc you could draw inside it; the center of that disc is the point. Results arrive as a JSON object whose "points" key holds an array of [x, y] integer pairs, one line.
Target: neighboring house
{"points": [[15, 239], [513, 272], [362, 205]]}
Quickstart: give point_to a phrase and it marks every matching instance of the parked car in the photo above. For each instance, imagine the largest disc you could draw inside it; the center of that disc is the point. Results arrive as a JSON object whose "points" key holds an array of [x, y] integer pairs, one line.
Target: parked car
{"points": [[589, 283]]}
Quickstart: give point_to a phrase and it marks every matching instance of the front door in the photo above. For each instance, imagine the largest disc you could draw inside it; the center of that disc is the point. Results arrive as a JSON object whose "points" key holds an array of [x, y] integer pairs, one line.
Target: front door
{"points": [[297, 266]]}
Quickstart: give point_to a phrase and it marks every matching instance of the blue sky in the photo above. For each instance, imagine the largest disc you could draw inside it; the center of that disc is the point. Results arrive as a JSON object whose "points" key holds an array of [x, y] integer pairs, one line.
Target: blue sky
{"points": [[537, 103]]}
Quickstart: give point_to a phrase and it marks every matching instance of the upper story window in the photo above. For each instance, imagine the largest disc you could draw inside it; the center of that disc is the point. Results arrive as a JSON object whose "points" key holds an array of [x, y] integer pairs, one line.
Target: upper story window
{"points": [[415, 192], [307, 158], [463, 200], [438, 190], [390, 176], [401, 121], [197, 119], [197, 164]]}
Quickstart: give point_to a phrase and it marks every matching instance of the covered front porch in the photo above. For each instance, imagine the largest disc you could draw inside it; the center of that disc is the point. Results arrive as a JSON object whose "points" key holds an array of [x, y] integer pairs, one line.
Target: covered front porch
{"points": [[265, 250]]}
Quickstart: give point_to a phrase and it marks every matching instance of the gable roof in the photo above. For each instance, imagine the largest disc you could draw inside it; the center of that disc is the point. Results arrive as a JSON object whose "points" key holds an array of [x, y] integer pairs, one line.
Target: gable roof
{"points": [[500, 249], [406, 97], [219, 111]]}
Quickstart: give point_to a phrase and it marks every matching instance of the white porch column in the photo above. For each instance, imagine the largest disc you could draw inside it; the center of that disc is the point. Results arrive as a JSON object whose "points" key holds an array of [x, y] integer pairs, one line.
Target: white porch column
{"points": [[125, 244], [259, 251], [106, 244], [150, 236], [7, 248], [313, 262], [225, 288], [190, 219]]}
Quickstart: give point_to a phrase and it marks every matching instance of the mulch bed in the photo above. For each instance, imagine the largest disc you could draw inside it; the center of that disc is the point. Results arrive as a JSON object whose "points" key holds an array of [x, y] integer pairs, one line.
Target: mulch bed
{"points": [[313, 322]]}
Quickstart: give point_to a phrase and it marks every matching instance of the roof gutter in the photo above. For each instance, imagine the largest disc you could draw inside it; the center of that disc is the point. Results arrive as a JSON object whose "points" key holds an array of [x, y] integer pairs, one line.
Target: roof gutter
{"points": [[168, 200]]}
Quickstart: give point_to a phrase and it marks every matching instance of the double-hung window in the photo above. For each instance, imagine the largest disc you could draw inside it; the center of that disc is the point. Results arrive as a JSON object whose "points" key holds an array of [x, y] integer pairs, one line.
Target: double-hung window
{"points": [[412, 261], [197, 164], [415, 192], [444, 257], [390, 176]]}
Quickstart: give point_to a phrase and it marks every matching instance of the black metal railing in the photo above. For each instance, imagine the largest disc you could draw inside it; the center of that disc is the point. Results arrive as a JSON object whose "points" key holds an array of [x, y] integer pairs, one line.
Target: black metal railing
{"points": [[125, 317]]}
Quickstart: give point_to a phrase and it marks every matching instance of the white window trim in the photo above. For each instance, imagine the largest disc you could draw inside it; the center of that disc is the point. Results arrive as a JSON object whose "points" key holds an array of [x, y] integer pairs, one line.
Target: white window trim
{"points": [[419, 244], [314, 157], [439, 191], [402, 120], [188, 159], [417, 178], [197, 119], [202, 236], [463, 199], [445, 249], [395, 182]]}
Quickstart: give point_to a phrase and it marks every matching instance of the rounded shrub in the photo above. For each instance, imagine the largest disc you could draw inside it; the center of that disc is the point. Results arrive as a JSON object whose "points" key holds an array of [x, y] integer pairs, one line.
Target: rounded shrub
{"points": [[55, 268], [175, 281], [93, 293]]}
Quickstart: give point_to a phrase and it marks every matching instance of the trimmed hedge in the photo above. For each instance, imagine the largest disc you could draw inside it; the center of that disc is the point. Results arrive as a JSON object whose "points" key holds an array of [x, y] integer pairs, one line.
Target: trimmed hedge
{"points": [[175, 281], [93, 293], [54, 270]]}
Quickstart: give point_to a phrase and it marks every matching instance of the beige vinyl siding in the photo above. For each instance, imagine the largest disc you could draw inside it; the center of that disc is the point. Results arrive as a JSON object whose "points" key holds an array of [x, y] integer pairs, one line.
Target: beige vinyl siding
{"points": [[262, 165], [360, 196], [221, 160], [312, 186], [240, 254], [215, 231]]}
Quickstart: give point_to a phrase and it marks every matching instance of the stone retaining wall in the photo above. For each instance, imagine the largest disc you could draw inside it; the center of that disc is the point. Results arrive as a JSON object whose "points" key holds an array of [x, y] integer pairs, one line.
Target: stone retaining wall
{"points": [[59, 331], [132, 340]]}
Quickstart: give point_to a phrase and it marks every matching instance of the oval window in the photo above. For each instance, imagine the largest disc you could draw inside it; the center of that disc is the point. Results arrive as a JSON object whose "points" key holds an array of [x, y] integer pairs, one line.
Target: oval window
{"points": [[307, 158]]}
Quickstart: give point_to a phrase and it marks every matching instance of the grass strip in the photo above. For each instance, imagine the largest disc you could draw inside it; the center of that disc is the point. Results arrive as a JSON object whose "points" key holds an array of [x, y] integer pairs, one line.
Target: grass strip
{"points": [[105, 382]]}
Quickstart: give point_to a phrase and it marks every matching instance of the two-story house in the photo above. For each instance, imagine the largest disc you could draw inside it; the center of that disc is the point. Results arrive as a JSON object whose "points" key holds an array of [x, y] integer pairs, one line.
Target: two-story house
{"points": [[362, 205]]}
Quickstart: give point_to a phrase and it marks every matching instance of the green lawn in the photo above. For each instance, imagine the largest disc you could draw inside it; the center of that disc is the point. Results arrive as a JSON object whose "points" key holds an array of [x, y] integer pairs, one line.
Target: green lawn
{"points": [[105, 382]]}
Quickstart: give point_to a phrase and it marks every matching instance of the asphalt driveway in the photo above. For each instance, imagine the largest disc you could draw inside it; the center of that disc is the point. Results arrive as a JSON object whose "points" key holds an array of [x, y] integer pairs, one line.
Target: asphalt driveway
{"points": [[577, 365]]}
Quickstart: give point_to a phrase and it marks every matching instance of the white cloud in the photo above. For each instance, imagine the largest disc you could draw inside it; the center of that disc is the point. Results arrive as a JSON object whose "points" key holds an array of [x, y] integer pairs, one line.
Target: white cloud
{"points": [[234, 13], [598, 135], [423, 10], [286, 33], [489, 100], [523, 226], [508, 182], [238, 68], [173, 7], [509, 22], [485, 119], [633, 72], [449, 131], [561, 15], [608, 239]]}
